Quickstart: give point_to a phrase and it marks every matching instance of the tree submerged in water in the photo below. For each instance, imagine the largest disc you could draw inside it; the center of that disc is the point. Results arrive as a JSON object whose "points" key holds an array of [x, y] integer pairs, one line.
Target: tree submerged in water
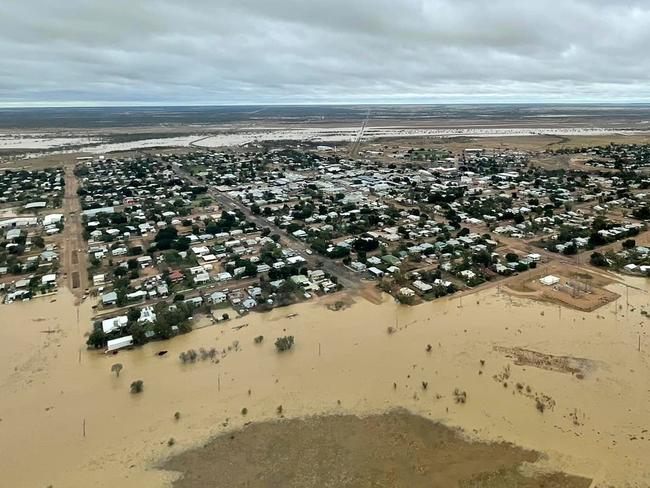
{"points": [[116, 368], [284, 343], [137, 386]]}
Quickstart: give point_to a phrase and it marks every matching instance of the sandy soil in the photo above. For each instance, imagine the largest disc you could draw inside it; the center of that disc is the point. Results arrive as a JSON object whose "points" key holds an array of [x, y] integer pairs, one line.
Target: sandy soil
{"points": [[181, 141], [390, 450], [24, 141], [578, 288], [238, 136], [349, 134]]}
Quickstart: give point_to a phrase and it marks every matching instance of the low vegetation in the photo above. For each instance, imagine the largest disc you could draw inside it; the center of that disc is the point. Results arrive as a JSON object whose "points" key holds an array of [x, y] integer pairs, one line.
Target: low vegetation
{"points": [[137, 386], [284, 343]]}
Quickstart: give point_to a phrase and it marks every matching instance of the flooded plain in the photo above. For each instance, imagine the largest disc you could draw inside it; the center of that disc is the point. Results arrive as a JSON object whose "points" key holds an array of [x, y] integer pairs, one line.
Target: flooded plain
{"points": [[571, 385]]}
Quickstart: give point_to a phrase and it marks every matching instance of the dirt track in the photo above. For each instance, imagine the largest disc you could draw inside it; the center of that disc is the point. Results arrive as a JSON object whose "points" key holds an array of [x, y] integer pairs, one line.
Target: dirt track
{"points": [[74, 252]]}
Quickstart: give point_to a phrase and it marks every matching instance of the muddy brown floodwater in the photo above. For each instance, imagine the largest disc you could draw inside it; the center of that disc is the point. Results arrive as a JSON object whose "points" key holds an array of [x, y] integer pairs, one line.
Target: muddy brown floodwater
{"points": [[67, 421], [338, 451]]}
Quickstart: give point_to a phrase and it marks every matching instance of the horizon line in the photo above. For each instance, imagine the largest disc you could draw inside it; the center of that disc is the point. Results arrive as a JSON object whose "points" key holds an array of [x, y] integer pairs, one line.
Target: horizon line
{"points": [[88, 105]]}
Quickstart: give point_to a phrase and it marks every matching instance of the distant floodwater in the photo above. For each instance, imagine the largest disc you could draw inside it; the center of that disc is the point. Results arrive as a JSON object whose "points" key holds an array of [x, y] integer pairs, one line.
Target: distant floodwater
{"points": [[241, 137]]}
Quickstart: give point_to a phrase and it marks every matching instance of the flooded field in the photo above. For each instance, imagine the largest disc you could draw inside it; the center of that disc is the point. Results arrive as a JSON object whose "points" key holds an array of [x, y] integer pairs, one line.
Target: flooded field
{"points": [[571, 385]]}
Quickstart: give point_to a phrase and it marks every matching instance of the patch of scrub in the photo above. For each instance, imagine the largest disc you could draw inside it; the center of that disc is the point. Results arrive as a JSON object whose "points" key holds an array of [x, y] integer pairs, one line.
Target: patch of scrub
{"points": [[390, 449]]}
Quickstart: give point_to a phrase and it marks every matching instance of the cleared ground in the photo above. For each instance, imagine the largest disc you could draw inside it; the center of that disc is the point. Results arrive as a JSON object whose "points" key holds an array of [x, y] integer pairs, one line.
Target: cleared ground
{"points": [[578, 288]]}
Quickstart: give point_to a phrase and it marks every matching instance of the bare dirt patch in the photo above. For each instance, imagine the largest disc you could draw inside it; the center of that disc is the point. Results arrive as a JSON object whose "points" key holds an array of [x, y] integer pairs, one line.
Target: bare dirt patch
{"points": [[560, 364], [75, 280], [577, 288], [396, 449]]}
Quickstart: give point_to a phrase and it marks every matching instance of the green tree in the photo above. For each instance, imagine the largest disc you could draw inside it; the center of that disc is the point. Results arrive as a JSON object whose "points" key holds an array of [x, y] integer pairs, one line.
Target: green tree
{"points": [[162, 328], [597, 259], [97, 338], [629, 244], [133, 314], [138, 331]]}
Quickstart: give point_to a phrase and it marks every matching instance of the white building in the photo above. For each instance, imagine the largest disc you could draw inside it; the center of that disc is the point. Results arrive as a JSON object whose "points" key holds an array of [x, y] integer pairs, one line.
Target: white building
{"points": [[549, 280], [109, 325], [119, 343], [217, 297], [48, 279], [147, 315], [52, 219], [422, 287]]}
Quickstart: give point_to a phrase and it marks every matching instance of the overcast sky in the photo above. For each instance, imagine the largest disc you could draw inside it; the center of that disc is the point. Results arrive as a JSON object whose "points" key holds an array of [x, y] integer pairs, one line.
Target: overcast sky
{"points": [[314, 51]]}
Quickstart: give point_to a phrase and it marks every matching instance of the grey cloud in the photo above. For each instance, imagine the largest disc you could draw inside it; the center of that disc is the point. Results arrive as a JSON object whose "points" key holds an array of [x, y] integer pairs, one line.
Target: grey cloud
{"points": [[311, 51]]}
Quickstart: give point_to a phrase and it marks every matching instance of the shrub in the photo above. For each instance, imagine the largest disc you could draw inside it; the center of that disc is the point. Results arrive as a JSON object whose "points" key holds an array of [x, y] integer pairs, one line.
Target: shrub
{"points": [[137, 386], [284, 343], [259, 339], [116, 368], [460, 396]]}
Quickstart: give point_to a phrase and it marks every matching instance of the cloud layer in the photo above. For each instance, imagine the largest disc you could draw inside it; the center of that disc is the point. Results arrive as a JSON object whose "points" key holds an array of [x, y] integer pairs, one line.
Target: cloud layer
{"points": [[315, 51]]}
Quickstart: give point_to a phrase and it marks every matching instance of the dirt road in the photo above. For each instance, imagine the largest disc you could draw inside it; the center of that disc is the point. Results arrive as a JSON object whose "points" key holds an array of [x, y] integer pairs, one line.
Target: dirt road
{"points": [[74, 247], [354, 150]]}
